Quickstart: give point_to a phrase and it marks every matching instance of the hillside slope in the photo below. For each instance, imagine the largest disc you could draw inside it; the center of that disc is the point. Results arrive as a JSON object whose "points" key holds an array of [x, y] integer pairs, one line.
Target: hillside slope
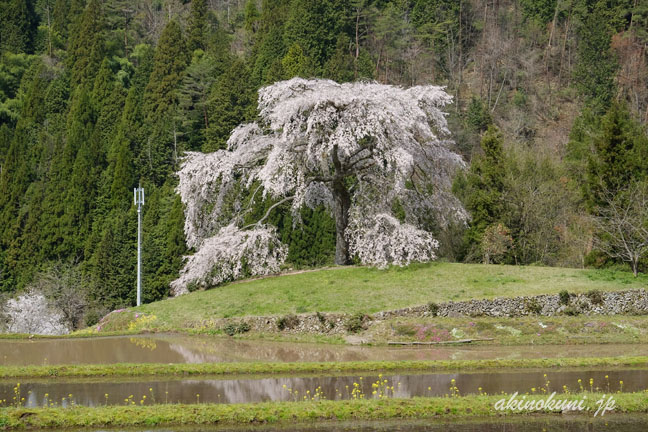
{"points": [[361, 289]]}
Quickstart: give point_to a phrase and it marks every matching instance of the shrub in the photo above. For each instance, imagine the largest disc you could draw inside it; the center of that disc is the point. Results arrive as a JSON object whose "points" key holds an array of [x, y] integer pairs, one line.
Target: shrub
{"points": [[433, 308], [563, 297], [232, 329], [321, 317], [571, 311], [357, 322], [193, 286], [533, 306], [287, 322], [595, 296]]}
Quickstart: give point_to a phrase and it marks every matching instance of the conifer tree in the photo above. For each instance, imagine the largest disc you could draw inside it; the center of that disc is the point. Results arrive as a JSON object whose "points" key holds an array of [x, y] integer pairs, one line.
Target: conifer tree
{"points": [[18, 26], [594, 72], [340, 67], [297, 64], [81, 178], [197, 29], [86, 45], [232, 101], [618, 157], [171, 59], [482, 188], [315, 25]]}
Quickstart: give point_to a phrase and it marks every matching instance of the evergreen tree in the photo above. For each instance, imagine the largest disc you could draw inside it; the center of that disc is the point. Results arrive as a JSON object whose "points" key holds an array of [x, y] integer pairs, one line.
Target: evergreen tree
{"points": [[297, 63], [193, 98], [80, 179], [112, 265], [19, 165], [269, 49], [619, 157], [65, 16], [482, 188], [171, 59], [314, 25], [86, 45], [18, 26], [251, 18], [232, 101], [158, 155], [596, 67], [197, 25], [340, 67], [163, 245]]}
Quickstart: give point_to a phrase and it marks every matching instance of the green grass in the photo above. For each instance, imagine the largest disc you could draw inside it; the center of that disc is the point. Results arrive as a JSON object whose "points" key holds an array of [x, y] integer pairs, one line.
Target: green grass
{"points": [[286, 412], [334, 368], [527, 330], [361, 289]]}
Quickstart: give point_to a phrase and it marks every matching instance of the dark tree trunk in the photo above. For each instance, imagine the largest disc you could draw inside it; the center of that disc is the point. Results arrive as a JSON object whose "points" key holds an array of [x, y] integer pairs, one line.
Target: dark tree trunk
{"points": [[341, 206], [341, 212]]}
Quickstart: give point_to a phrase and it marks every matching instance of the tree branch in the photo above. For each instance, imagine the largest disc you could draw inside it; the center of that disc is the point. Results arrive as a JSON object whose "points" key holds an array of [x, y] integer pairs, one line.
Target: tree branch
{"points": [[265, 216]]}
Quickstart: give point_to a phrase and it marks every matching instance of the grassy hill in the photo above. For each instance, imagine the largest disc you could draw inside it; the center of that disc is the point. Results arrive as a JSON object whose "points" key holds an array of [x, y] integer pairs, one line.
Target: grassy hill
{"points": [[361, 289]]}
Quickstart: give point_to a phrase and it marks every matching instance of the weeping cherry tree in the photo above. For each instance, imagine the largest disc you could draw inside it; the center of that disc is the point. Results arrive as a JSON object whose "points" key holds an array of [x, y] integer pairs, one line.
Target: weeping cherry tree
{"points": [[377, 156]]}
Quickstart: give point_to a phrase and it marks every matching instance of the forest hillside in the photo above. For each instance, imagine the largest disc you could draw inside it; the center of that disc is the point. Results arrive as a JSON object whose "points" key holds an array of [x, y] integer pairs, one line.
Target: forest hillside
{"points": [[549, 111]]}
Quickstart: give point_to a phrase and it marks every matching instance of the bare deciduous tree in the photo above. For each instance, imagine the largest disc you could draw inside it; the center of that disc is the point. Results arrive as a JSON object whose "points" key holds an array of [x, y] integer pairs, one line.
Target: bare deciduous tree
{"points": [[62, 284], [623, 225]]}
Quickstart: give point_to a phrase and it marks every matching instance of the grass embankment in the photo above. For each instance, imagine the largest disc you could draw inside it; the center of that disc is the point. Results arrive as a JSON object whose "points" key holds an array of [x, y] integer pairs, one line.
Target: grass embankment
{"points": [[361, 289], [292, 369], [286, 412], [528, 330]]}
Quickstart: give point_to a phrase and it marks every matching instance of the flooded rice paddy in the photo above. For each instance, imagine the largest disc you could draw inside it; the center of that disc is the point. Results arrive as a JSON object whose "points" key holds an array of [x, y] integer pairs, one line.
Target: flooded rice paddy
{"points": [[541, 423], [198, 349], [246, 390]]}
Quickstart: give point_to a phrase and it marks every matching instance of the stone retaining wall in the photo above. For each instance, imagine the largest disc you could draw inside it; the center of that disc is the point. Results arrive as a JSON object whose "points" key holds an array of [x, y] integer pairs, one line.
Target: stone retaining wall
{"points": [[631, 302]]}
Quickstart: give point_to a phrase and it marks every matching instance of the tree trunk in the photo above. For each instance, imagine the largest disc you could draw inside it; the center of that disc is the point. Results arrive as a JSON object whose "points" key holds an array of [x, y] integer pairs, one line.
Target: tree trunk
{"points": [[342, 200], [342, 203]]}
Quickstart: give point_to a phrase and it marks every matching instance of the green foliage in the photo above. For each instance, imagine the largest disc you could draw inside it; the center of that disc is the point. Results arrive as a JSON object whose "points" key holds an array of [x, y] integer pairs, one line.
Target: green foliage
{"points": [[233, 329], [433, 308], [564, 297], [340, 66], [357, 322], [482, 188], [18, 26], [197, 25], [596, 67], [595, 296], [533, 306], [618, 155], [540, 10], [297, 64], [312, 242], [86, 45], [171, 59], [232, 101], [477, 116], [572, 311], [287, 322], [194, 97]]}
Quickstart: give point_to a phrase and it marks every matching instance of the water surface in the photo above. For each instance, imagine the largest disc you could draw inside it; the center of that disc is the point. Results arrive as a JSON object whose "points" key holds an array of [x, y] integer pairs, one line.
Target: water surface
{"points": [[202, 349], [540, 423], [246, 390]]}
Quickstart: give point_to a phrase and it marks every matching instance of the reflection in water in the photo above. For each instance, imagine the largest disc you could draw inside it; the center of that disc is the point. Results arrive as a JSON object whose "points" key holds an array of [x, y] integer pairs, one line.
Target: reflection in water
{"points": [[543, 423], [92, 393], [201, 349]]}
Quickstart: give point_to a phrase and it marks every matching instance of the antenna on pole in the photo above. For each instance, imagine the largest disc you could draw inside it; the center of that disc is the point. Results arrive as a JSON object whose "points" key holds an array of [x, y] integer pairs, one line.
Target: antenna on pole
{"points": [[138, 196]]}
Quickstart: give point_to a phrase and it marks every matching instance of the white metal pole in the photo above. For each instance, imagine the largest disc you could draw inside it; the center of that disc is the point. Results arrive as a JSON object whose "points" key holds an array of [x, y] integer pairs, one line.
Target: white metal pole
{"points": [[138, 196], [139, 255]]}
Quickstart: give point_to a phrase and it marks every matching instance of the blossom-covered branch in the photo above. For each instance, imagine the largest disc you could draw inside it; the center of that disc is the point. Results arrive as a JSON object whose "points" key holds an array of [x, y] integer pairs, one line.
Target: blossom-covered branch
{"points": [[356, 148]]}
